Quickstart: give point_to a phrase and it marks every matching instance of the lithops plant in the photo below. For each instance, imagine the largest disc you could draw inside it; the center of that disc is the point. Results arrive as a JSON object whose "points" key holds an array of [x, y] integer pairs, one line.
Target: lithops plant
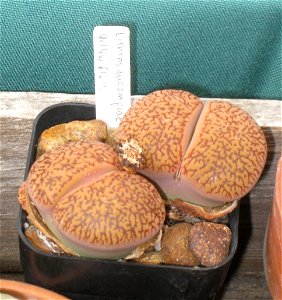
{"points": [[207, 153], [89, 203]]}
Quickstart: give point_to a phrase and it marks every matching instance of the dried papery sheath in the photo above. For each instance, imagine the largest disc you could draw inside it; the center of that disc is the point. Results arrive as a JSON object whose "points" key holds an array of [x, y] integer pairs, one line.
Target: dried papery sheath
{"points": [[131, 154]]}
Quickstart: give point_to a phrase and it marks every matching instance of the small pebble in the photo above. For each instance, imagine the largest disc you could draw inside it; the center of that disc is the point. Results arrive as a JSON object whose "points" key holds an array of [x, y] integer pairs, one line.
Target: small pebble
{"points": [[210, 242], [175, 249]]}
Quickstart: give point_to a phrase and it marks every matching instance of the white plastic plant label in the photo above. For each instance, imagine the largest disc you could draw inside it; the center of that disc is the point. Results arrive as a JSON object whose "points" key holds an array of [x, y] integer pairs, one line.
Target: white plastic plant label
{"points": [[112, 73]]}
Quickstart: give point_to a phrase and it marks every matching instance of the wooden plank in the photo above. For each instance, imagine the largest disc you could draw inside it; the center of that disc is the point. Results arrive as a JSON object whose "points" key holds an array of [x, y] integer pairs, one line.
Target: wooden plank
{"points": [[28, 104], [15, 136], [246, 276]]}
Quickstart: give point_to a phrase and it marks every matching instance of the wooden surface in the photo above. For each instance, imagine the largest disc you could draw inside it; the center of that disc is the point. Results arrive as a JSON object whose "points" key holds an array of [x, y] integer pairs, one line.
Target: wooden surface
{"points": [[245, 279]]}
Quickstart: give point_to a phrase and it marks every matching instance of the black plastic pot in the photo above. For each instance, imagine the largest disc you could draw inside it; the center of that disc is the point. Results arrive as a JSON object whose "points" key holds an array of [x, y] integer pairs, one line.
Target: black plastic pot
{"points": [[86, 278]]}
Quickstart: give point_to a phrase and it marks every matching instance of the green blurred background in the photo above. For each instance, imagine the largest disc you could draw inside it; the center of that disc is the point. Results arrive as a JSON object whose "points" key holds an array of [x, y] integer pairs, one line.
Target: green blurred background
{"points": [[226, 48]]}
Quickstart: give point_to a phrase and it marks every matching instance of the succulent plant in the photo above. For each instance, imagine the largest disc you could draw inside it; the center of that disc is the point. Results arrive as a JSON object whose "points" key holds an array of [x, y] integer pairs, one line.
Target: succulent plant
{"points": [[89, 203], [89, 200], [202, 153]]}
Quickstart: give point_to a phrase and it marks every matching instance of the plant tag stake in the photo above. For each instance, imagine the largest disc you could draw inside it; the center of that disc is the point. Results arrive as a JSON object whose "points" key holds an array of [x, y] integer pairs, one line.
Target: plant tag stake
{"points": [[112, 73]]}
